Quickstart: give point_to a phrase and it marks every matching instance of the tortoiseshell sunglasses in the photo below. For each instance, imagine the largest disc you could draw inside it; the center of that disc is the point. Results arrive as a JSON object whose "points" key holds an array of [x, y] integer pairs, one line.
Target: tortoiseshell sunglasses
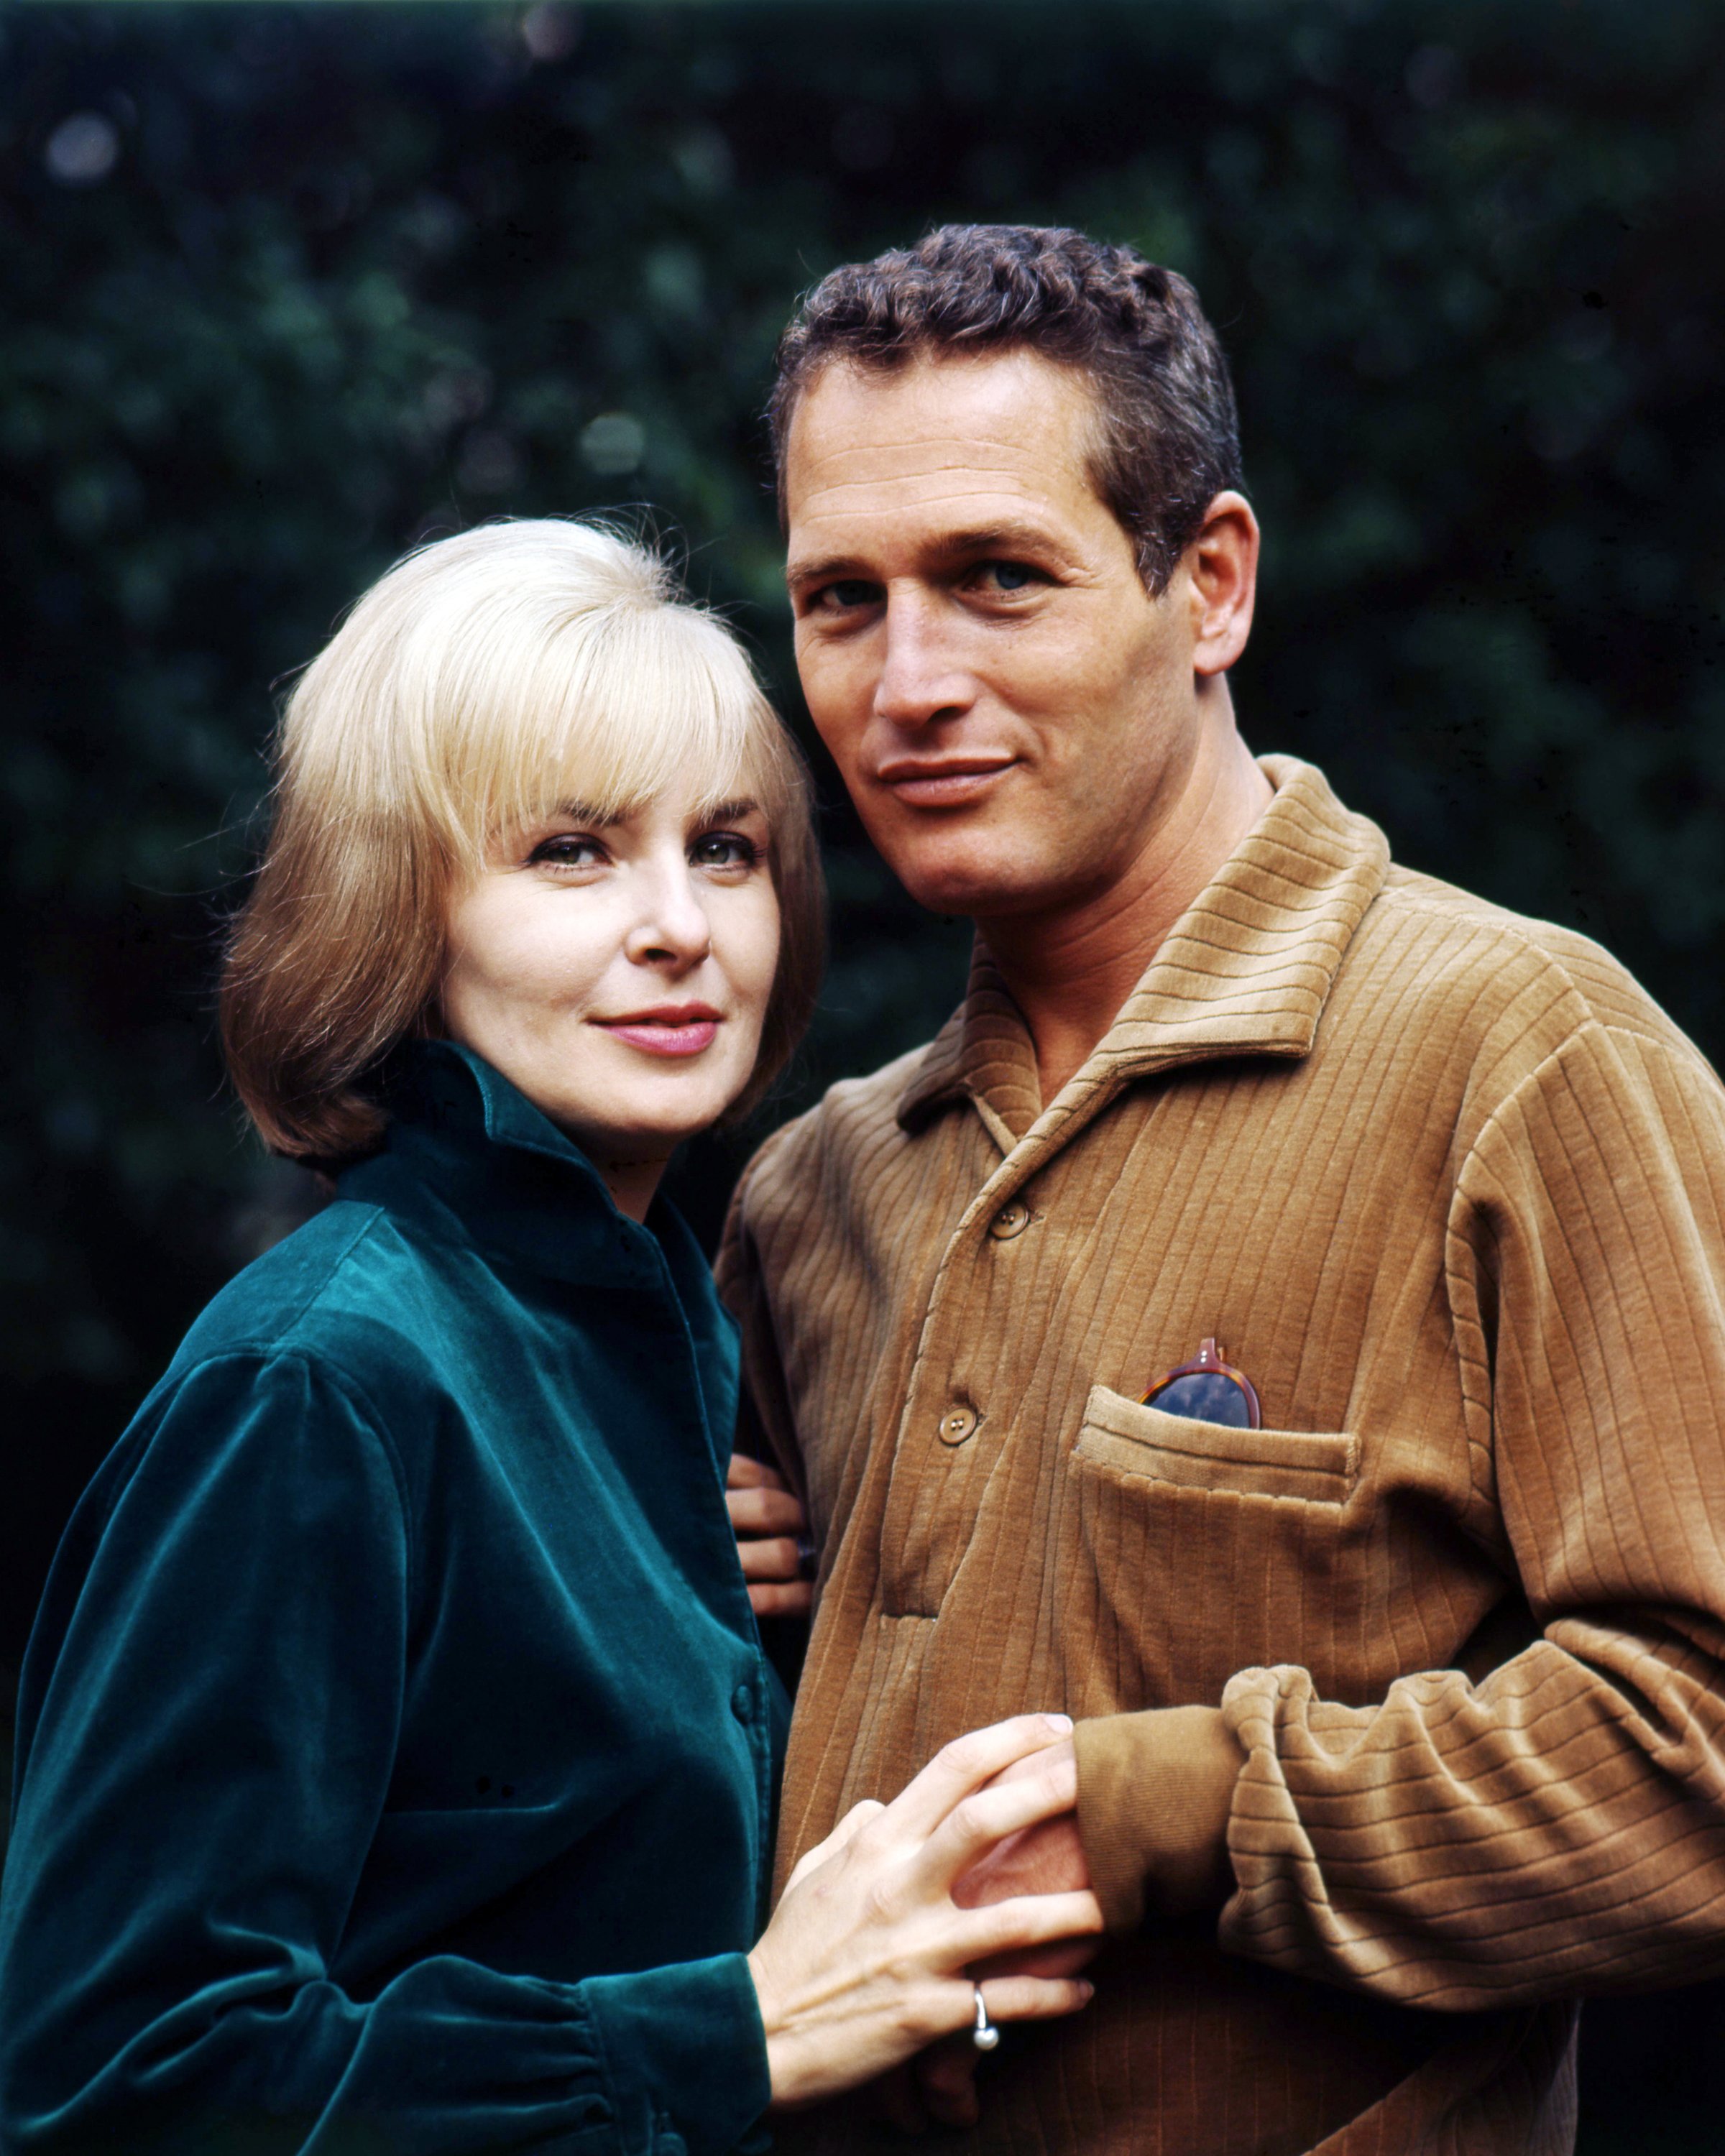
{"points": [[1208, 1388]]}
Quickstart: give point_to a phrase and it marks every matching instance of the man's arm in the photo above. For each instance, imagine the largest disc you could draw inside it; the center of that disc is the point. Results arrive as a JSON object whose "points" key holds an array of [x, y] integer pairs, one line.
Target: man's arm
{"points": [[1559, 1826]]}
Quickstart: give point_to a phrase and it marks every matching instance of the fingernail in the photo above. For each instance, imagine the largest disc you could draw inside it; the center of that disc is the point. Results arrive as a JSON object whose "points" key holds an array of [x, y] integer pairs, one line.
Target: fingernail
{"points": [[1063, 1723], [1089, 1991]]}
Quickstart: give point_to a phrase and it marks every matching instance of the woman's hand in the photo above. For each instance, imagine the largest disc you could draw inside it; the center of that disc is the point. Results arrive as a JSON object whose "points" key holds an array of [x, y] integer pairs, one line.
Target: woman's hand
{"points": [[864, 1962], [767, 1522]]}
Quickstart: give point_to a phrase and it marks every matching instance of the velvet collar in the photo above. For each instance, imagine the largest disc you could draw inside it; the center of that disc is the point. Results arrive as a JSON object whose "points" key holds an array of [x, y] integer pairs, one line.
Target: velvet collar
{"points": [[470, 1159]]}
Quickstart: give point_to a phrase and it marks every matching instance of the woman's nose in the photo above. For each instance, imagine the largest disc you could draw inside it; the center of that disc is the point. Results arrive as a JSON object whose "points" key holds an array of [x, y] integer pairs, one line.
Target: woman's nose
{"points": [[673, 924]]}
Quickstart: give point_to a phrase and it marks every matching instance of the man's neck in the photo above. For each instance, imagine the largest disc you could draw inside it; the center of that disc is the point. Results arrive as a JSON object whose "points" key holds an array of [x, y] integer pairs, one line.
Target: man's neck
{"points": [[1070, 971]]}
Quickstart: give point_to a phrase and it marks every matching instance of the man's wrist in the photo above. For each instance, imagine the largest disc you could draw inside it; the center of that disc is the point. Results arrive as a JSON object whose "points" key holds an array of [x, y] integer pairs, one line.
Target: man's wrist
{"points": [[1154, 1794]]}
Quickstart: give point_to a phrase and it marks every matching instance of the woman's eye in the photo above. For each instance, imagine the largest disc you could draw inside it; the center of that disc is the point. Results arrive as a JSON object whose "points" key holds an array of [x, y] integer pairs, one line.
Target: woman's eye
{"points": [[724, 850], [568, 849]]}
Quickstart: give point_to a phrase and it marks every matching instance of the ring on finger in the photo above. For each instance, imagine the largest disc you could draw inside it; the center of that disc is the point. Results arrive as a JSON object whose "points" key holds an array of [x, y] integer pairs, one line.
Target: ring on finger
{"points": [[984, 2035]]}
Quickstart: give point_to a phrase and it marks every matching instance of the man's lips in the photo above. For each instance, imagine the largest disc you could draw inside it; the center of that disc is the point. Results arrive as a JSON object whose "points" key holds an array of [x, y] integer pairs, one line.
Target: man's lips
{"points": [[668, 1029], [944, 782]]}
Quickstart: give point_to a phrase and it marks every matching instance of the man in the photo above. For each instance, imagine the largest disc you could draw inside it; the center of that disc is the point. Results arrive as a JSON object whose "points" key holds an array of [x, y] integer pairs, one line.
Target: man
{"points": [[1399, 1721]]}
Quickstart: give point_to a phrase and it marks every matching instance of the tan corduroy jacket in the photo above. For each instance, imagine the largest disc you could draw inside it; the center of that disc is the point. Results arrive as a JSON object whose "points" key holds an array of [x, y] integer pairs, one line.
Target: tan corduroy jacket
{"points": [[1443, 1641]]}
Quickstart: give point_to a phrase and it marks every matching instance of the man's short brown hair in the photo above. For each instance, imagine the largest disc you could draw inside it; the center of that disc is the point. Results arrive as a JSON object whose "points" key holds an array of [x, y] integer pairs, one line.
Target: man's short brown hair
{"points": [[1168, 440]]}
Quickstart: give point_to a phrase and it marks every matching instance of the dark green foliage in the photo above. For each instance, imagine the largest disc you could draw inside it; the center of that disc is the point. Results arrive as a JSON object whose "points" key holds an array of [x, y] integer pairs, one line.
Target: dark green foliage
{"points": [[356, 275], [351, 276]]}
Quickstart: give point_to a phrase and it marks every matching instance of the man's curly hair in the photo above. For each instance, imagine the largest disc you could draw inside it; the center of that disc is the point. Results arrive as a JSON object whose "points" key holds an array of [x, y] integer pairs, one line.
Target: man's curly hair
{"points": [[1167, 437]]}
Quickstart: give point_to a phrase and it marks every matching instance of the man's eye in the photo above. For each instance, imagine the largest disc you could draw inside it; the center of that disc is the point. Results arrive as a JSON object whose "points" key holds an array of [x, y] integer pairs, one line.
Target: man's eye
{"points": [[1007, 576], [840, 598], [568, 849], [724, 850]]}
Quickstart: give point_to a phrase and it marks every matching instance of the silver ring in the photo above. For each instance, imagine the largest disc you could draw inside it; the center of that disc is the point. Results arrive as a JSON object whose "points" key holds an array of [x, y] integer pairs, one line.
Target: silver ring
{"points": [[985, 2035]]}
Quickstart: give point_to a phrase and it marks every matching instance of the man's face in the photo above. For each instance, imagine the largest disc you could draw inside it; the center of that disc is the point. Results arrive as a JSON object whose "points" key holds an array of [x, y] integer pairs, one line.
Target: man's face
{"points": [[1011, 708]]}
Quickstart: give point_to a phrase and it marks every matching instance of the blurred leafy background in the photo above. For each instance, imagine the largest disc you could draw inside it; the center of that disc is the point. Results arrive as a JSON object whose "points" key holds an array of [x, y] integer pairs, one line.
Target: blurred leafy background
{"points": [[286, 289]]}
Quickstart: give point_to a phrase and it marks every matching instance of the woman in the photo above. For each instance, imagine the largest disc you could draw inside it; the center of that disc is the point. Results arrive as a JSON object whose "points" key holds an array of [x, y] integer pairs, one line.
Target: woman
{"points": [[396, 1751]]}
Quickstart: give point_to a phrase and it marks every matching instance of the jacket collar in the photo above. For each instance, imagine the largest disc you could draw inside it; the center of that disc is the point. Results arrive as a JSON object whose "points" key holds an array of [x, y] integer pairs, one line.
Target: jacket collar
{"points": [[1245, 971], [470, 1159]]}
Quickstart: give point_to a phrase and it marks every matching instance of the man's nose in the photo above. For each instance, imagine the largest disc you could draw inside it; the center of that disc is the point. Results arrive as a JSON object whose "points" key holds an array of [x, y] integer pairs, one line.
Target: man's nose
{"points": [[672, 926], [923, 677]]}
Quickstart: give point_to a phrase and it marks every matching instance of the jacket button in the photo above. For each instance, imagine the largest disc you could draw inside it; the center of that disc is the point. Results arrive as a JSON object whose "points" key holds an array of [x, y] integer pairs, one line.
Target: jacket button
{"points": [[742, 1702], [955, 1425], [1012, 1219]]}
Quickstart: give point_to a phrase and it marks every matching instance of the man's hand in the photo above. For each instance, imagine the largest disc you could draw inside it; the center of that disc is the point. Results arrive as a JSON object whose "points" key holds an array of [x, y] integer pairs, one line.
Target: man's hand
{"points": [[767, 1521], [938, 2086], [1045, 1858]]}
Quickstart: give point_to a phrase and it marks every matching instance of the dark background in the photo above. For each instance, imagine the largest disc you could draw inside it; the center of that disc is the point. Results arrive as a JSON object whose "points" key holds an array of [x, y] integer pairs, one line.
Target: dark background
{"points": [[287, 289]]}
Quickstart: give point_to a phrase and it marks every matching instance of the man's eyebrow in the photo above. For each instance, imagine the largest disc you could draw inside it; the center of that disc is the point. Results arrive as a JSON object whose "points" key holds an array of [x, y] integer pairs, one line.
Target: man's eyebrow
{"points": [[1008, 536], [976, 543], [828, 569]]}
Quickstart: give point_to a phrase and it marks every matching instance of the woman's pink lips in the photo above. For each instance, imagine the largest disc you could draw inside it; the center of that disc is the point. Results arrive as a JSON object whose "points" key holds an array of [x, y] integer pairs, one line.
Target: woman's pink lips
{"points": [[664, 1036]]}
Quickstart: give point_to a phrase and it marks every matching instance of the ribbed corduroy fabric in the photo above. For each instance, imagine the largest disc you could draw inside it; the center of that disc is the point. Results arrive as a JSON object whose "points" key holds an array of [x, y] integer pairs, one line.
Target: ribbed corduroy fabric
{"points": [[1451, 1190]]}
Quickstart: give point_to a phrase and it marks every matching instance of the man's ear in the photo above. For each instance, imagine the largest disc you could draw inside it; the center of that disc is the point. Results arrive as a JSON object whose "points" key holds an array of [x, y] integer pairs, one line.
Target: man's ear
{"points": [[1222, 567]]}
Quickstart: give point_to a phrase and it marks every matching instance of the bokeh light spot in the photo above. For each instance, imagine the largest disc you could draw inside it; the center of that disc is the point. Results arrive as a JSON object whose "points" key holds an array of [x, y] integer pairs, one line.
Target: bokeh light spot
{"points": [[550, 32], [614, 442], [84, 149]]}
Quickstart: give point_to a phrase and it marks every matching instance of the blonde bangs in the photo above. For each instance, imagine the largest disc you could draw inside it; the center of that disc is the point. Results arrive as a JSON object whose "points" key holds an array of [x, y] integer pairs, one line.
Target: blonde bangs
{"points": [[515, 669], [620, 709]]}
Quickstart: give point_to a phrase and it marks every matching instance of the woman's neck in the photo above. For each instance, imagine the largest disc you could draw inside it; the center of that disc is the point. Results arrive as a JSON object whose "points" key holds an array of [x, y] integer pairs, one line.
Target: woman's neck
{"points": [[633, 1183]]}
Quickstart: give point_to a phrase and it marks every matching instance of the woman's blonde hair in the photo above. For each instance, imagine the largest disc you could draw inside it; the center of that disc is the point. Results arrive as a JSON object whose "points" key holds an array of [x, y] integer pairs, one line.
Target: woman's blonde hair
{"points": [[484, 680]]}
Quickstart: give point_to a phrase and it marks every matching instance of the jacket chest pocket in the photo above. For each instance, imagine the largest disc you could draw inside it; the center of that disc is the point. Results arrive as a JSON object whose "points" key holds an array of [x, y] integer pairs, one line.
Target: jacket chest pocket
{"points": [[1208, 1549], [1122, 1438]]}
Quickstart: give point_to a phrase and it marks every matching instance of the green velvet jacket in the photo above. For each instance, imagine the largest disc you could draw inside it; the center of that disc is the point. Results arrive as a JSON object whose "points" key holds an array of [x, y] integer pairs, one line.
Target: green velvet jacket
{"points": [[396, 1751]]}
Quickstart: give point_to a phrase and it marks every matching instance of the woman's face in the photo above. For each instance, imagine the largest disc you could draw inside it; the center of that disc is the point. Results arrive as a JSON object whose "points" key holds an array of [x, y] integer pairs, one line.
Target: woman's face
{"points": [[619, 973]]}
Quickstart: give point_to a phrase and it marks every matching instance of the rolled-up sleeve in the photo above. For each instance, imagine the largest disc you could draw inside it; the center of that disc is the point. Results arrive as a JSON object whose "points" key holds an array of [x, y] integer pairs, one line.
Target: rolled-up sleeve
{"points": [[1559, 1826]]}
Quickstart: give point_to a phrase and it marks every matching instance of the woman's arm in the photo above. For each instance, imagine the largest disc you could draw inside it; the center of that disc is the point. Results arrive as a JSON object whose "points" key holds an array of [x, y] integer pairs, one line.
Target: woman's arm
{"points": [[210, 1724], [208, 1728]]}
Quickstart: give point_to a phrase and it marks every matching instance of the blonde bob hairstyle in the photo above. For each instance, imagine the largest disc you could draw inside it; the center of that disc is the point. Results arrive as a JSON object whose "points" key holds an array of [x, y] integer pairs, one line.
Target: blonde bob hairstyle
{"points": [[482, 682]]}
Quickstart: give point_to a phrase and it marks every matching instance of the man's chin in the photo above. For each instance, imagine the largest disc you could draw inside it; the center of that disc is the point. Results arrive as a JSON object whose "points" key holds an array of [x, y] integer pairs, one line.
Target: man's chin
{"points": [[977, 884], [982, 902]]}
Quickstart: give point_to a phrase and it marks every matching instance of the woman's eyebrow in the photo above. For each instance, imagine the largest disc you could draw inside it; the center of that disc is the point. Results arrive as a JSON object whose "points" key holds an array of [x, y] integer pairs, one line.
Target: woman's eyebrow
{"points": [[599, 819]]}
